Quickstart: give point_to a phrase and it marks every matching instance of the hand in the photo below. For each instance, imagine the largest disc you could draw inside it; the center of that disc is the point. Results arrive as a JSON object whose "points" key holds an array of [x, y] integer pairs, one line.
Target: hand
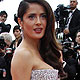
{"points": [[66, 31]]}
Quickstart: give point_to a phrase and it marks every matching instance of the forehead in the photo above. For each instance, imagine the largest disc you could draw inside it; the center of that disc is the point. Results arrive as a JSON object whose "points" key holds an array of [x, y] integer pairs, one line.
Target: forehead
{"points": [[35, 6], [73, 0], [78, 33], [16, 30]]}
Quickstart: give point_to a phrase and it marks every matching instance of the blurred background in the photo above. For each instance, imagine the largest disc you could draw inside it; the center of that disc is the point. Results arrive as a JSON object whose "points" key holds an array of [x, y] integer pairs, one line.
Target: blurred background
{"points": [[11, 6]]}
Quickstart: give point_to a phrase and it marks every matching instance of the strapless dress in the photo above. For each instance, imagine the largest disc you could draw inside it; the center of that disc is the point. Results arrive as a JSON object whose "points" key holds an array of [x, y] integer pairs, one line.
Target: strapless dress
{"points": [[45, 74]]}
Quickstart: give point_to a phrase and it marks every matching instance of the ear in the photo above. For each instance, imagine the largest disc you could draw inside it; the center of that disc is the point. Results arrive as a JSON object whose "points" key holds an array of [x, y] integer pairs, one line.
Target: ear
{"points": [[77, 3], [20, 22], [75, 40]]}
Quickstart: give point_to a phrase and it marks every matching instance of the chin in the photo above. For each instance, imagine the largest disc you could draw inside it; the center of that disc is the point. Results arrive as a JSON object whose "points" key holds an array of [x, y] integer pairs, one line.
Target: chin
{"points": [[38, 37]]}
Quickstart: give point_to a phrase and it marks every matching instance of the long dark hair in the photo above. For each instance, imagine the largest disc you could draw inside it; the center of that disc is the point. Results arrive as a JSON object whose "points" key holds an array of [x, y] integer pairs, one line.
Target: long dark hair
{"points": [[49, 48]]}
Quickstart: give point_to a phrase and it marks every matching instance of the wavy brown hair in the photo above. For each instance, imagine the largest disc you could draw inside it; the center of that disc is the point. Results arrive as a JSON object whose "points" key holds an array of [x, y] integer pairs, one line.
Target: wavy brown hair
{"points": [[49, 48]]}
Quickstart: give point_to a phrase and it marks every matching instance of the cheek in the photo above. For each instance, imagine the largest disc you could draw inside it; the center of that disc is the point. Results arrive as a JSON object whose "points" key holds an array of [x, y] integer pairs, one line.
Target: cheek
{"points": [[26, 24], [28, 28], [18, 33], [77, 39], [44, 23]]}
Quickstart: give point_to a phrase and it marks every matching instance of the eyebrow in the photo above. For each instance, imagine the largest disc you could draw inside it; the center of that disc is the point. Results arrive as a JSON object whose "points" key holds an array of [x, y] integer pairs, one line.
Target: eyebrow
{"points": [[35, 13]]}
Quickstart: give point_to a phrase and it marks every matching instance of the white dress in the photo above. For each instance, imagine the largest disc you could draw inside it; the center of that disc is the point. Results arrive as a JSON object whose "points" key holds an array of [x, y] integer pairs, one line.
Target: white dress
{"points": [[45, 74]]}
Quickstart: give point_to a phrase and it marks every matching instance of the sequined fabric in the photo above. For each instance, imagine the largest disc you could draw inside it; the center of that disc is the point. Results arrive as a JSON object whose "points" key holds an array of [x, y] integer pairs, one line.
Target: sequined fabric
{"points": [[45, 74]]}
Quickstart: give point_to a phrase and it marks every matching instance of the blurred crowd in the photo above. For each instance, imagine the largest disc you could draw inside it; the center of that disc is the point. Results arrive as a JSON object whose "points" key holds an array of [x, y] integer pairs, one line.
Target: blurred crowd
{"points": [[70, 47], [7, 45]]}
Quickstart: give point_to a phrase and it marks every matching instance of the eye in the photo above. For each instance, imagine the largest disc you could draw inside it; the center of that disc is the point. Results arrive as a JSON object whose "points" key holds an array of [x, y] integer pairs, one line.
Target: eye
{"points": [[44, 16], [74, 1], [17, 31], [71, 2], [78, 36], [31, 16]]}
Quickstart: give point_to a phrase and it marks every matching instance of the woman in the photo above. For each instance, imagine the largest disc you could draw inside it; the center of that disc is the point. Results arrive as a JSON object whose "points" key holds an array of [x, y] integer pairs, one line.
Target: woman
{"points": [[37, 57]]}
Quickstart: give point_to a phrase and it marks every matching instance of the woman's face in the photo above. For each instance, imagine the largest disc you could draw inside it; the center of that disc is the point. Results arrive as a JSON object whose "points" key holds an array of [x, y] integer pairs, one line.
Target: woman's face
{"points": [[34, 21]]}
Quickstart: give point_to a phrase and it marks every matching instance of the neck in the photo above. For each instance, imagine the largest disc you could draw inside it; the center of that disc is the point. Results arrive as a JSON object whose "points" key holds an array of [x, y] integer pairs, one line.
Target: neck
{"points": [[17, 39], [73, 8], [31, 43]]}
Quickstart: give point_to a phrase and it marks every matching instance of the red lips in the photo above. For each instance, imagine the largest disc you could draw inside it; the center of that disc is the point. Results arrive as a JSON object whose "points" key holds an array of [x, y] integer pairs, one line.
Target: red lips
{"points": [[38, 30]]}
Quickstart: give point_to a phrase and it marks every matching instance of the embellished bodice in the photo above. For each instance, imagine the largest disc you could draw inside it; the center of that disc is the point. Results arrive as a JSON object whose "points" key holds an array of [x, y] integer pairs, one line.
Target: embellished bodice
{"points": [[45, 74]]}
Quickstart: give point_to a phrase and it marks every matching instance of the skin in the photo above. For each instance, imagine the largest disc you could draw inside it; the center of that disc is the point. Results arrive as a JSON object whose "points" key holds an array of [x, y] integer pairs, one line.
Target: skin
{"points": [[78, 38], [0, 19], [17, 33], [27, 57], [3, 18], [73, 5]]}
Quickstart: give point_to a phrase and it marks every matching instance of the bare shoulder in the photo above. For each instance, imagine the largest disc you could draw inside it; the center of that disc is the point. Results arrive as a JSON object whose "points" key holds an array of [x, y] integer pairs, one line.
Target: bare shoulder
{"points": [[22, 55], [21, 64]]}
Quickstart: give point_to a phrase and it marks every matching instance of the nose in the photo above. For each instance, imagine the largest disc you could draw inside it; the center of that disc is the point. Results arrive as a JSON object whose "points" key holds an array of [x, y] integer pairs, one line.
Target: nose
{"points": [[38, 21]]}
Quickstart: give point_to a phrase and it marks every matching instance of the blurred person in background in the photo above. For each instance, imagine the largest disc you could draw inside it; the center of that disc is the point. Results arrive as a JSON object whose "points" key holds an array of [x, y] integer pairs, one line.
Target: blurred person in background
{"points": [[77, 39], [7, 38], [77, 49], [5, 59], [3, 16], [73, 23], [4, 27], [18, 37], [1, 0]]}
